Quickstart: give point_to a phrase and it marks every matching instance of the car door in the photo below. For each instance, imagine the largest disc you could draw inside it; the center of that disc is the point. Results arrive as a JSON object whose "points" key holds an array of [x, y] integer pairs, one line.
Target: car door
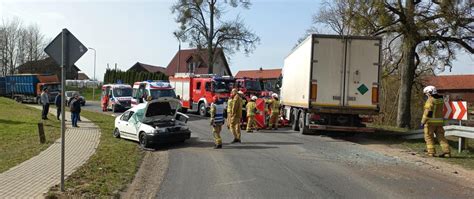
{"points": [[124, 125]]}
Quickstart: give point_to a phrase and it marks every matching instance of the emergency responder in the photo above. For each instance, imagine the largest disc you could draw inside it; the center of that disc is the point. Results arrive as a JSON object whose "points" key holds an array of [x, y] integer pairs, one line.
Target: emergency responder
{"points": [[235, 115], [433, 122], [229, 106], [217, 120], [275, 109], [251, 112]]}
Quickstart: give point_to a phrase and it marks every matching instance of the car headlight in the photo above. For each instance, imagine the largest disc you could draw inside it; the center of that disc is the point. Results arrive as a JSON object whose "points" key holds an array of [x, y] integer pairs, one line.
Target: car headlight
{"points": [[158, 130]]}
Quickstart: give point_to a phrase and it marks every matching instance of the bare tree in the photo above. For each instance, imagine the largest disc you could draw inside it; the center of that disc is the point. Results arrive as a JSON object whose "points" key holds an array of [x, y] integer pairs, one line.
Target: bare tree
{"points": [[19, 45], [202, 26]]}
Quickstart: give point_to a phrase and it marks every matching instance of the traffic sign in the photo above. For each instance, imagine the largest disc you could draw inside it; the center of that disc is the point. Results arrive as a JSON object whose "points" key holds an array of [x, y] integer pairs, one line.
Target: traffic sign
{"points": [[455, 110], [74, 49]]}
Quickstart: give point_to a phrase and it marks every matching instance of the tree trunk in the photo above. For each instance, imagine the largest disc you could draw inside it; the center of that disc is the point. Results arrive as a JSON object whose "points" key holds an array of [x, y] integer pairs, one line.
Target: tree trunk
{"points": [[210, 34], [407, 77]]}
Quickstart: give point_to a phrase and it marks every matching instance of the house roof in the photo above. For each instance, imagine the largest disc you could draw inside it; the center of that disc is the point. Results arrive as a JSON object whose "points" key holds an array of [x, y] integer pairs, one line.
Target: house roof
{"points": [[259, 74], [149, 68], [184, 55], [82, 76], [452, 82], [41, 63]]}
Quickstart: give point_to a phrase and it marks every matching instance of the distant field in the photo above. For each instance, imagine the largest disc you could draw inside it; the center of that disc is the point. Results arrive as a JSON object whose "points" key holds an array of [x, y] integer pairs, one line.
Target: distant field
{"points": [[86, 92]]}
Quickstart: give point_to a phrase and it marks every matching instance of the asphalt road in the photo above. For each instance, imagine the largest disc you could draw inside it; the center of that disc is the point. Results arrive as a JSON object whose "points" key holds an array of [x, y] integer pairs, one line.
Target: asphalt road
{"points": [[95, 106], [285, 164]]}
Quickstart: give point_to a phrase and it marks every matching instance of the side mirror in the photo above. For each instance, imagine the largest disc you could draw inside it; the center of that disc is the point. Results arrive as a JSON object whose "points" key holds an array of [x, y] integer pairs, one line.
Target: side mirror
{"points": [[181, 117]]}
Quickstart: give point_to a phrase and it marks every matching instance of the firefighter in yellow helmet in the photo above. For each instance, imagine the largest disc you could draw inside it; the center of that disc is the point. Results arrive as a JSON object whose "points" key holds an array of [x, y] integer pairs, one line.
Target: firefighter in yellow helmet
{"points": [[251, 112], [275, 109], [217, 120], [433, 122], [235, 115]]}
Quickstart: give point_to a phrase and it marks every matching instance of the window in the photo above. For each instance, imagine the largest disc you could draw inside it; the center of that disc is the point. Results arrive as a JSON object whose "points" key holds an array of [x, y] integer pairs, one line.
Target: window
{"points": [[198, 86], [126, 116], [208, 86]]}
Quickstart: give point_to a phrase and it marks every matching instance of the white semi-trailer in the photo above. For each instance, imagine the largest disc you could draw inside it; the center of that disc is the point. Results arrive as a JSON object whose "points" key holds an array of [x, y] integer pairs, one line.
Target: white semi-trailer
{"points": [[331, 83]]}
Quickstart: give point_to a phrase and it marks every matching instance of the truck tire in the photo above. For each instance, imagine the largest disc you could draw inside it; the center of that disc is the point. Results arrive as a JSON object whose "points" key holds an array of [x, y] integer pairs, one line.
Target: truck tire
{"points": [[202, 109], [295, 119], [38, 100], [303, 128]]}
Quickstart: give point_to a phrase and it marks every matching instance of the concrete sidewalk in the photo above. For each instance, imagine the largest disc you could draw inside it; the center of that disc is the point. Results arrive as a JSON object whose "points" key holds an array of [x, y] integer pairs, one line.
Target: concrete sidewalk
{"points": [[34, 177]]}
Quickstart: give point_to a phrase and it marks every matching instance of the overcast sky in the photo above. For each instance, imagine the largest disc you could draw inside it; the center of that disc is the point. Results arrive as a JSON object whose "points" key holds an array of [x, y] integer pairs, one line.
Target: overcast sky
{"points": [[125, 32]]}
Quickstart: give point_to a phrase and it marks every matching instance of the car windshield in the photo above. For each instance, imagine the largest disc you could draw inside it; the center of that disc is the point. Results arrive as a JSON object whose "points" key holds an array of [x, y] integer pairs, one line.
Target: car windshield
{"points": [[155, 94], [221, 86], [253, 85], [69, 93], [122, 92]]}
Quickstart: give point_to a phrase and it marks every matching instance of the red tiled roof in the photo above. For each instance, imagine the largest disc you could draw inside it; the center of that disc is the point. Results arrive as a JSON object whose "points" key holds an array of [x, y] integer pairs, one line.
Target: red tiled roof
{"points": [[259, 74], [184, 55], [452, 82]]}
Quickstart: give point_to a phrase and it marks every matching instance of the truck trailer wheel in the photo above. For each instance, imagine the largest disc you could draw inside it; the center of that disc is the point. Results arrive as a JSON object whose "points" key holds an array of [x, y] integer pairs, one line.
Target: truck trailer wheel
{"points": [[294, 120], [303, 128]]}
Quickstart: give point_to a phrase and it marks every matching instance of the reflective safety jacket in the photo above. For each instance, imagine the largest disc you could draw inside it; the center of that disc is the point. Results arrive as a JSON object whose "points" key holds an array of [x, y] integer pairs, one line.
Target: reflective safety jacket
{"points": [[236, 108], [251, 108], [217, 113], [229, 106], [433, 113], [274, 106]]}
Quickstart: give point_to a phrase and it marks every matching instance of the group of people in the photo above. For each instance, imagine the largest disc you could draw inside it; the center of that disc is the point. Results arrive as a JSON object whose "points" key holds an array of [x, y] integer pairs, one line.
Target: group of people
{"points": [[234, 115], [74, 105]]}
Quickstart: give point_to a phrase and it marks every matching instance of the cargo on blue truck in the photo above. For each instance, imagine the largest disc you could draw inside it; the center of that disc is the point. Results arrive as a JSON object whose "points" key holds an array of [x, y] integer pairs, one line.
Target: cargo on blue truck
{"points": [[28, 87]]}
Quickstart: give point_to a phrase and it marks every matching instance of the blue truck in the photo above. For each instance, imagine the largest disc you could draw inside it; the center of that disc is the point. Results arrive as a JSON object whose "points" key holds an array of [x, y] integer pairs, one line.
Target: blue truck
{"points": [[28, 87]]}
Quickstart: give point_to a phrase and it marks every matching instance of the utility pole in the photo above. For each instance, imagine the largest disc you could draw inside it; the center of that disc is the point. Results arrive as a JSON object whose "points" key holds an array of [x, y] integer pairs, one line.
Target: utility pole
{"points": [[95, 80]]}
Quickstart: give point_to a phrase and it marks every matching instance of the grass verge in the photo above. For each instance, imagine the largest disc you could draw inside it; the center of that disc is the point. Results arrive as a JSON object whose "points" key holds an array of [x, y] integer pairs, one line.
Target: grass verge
{"points": [[392, 136], [19, 140], [107, 171]]}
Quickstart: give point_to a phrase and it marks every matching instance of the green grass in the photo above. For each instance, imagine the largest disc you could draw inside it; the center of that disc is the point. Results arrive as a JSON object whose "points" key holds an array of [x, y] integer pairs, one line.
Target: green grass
{"points": [[465, 158], [87, 93], [388, 135], [107, 171], [19, 140]]}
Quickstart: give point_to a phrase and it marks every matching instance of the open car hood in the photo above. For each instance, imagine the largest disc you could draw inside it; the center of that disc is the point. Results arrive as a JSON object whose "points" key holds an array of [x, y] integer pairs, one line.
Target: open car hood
{"points": [[161, 109]]}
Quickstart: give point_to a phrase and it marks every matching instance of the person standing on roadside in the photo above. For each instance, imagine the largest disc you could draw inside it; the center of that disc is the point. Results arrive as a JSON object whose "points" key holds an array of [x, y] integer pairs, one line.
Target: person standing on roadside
{"points": [[229, 106], [217, 120], [275, 109], [433, 121], [235, 115], [75, 106], [45, 102], [251, 112], [57, 101]]}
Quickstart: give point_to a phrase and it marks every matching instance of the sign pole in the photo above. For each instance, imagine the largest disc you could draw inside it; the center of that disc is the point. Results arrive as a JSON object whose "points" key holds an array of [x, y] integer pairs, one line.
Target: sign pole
{"points": [[63, 100]]}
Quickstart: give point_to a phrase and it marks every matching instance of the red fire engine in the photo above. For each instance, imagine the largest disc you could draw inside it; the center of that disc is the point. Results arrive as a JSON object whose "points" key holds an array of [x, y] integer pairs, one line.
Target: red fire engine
{"points": [[196, 92]]}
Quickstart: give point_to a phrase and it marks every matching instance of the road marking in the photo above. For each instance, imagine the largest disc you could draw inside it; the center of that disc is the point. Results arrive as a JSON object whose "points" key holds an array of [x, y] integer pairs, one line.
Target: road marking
{"points": [[235, 182]]}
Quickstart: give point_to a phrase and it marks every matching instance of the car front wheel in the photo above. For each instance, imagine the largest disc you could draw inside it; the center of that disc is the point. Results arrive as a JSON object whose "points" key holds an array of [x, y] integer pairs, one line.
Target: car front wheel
{"points": [[143, 141], [116, 133]]}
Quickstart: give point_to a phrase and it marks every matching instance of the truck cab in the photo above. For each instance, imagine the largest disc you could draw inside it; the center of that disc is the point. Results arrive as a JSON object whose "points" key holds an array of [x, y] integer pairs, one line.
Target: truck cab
{"points": [[196, 92], [249, 87], [116, 97], [155, 89], [53, 91]]}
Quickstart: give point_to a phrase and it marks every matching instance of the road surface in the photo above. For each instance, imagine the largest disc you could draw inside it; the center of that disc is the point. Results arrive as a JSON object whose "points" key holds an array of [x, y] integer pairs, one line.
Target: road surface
{"points": [[285, 164]]}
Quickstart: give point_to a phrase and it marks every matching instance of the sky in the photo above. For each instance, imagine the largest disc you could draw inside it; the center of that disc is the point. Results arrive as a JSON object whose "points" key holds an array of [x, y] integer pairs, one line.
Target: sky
{"points": [[126, 32]]}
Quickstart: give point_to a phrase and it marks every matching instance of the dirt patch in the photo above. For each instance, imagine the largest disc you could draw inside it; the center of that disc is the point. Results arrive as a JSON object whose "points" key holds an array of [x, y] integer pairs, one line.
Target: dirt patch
{"points": [[420, 160], [147, 181]]}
